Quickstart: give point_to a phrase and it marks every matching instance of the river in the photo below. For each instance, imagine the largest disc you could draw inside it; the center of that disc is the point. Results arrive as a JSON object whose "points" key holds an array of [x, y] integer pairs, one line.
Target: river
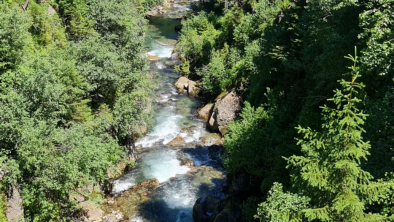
{"points": [[185, 168]]}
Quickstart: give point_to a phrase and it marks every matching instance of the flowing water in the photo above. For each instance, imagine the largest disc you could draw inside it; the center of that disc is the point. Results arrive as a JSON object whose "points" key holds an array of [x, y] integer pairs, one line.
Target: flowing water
{"points": [[181, 182]]}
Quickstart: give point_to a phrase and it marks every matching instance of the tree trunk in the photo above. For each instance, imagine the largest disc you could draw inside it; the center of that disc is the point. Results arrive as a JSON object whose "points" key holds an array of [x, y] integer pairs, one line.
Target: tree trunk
{"points": [[24, 6]]}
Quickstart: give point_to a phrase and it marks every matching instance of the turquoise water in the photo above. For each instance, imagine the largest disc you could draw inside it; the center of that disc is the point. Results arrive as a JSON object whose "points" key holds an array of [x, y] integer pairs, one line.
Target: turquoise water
{"points": [[180, 185]]}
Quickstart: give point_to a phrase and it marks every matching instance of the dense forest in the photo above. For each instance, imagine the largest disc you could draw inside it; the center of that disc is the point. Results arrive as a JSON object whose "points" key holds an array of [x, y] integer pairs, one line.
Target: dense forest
{"points": [[74, 95], [316, 132]]}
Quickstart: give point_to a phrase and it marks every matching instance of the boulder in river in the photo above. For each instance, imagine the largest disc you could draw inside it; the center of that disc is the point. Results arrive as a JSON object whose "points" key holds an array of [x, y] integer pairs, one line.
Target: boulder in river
{"points": [[146, 185], [181, 84], [206, 208], [153, 58], [192, 89], [128, 203], [175, 56], [139, 131], [205, 112], [188, 163], [224, 111], [177, 141], [210, 139]]}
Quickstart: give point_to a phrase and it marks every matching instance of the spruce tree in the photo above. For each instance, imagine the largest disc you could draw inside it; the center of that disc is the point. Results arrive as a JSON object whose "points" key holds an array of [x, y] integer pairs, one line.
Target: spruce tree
{"points": [[329, 171]]}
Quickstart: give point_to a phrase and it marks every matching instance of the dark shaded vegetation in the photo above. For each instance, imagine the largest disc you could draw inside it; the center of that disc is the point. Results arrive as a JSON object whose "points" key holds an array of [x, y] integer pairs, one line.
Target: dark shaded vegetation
{"points": [[287, 60], [74, 95]]}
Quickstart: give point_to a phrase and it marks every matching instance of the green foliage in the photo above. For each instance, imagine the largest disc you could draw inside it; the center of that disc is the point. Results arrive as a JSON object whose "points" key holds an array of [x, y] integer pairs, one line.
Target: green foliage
{"points": [[387, 199], [295, 49], [380, 130], [228, 23], [183, 68], [101, 67], [76, 13], [10, 170], [14, 36], [250, 126], [330, 172], [46, 28], [215, 75], [254, 144], [12, 114], [377, 22], [120, 22], [198, 39], [253, 25], [281, 206], [67, 107], [50, 88], [132, 112], [3, 207], [249, 208], [145, 5]]}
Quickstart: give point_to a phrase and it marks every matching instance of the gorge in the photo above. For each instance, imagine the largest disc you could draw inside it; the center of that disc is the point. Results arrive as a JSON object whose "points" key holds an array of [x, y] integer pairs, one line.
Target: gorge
{"points": [[177, 161]]}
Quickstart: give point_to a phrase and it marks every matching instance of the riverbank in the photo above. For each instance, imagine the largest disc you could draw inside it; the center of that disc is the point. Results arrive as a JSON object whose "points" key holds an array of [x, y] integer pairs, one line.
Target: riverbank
{"points": [[178, 159]]}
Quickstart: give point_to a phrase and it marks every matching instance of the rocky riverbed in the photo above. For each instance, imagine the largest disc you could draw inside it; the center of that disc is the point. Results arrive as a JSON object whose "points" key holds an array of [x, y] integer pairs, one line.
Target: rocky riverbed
{"points": [[179, 159]]}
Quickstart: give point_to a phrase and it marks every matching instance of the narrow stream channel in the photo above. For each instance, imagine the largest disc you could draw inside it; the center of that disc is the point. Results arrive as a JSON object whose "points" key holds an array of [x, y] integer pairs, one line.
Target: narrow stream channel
{"points": [[186, 169]]}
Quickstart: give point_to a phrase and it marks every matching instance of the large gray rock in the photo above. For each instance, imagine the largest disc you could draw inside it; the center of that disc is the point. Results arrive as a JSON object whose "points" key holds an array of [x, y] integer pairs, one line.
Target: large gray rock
{"points": [[91, 211], [224, 111], [51, 10], [206, 208], [205, 112], [192, 89], [14, 210], [181, 84], [175, 56], [177, 142]]}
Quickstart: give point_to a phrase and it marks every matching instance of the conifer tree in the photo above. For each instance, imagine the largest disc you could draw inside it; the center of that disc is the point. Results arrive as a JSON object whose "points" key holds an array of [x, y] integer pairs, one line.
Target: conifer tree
{"points": [[329, 171]]}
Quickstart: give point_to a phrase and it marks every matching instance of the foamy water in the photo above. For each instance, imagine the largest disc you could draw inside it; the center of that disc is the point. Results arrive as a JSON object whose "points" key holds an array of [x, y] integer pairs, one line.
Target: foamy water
{"points": [[167, 128], [162, 165], [159, 163], [161, 50], [174, 199], [160, 65], [123, 183], [180, 195]]}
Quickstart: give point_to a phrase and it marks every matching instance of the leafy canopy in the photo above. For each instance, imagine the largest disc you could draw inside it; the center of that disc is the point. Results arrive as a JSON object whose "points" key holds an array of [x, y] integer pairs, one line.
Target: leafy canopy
{"points": [[329, 171]]}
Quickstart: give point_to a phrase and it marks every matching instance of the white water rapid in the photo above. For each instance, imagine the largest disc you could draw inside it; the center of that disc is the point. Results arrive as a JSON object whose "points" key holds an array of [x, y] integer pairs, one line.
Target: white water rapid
{"points": [[180, 184]]}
